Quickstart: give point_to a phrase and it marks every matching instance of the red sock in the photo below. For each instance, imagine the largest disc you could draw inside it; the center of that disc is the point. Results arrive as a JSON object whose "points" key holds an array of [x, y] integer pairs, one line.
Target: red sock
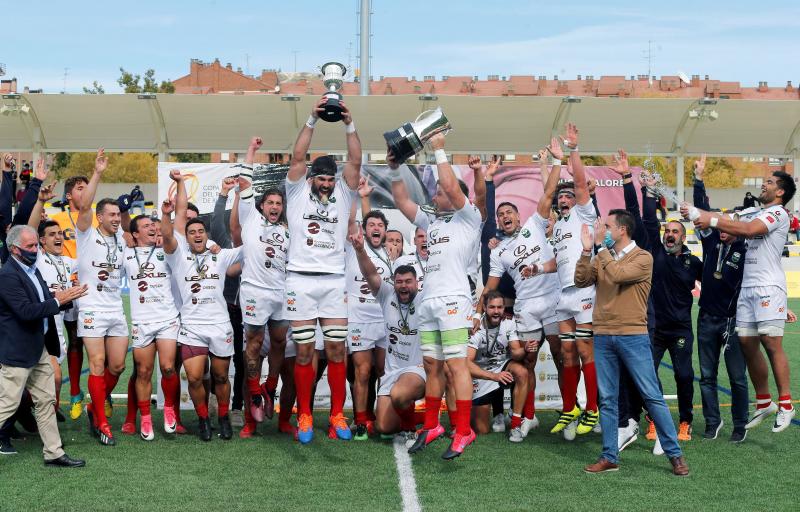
{"points": [[452, 416], [590, 381], [370, 415], [171, 386], [361, 418], [253, 386], [419, 417], [464, 408], [432, 404], [130, 416], [516, 420], [111, 381], [271, 384], [222, 409], [144, 407], [529, 410], [785, 402], [763, 401], [568, 396], [97, 390], [337, 380], [304, 376], [202, 411], [406, 418], [74, 364]]}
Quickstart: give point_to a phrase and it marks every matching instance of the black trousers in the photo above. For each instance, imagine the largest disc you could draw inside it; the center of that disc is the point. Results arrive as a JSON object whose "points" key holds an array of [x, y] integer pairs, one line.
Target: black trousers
{"points": [[235, 314], [680, 349]]}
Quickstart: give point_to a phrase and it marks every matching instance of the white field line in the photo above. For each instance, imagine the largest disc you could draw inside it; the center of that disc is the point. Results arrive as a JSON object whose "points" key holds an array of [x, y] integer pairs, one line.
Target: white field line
{"points": [[405, 474]]}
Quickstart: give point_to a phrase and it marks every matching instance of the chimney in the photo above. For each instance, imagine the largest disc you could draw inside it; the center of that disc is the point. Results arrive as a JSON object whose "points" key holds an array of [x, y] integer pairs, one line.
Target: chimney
{"points": [[762, 87], [579, 77], [228, 66], [706, 78], [789, 87], [695, 81], [493, 78]]}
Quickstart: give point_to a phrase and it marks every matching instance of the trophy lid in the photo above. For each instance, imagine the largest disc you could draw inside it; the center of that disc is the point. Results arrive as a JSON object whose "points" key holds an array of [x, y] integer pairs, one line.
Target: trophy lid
{"points": [[333, 74]]}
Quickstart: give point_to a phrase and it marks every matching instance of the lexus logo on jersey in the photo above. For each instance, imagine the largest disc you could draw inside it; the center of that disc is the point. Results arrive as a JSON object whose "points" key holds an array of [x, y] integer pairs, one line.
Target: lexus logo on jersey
{"points": [[148, 266], [269, 251], [364, 289], [195, 288], [313, 228], [102, 275], [142, 285], [519, 251]]}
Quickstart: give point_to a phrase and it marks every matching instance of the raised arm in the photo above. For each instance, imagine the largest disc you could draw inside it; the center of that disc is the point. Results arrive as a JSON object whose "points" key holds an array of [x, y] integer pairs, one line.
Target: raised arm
{"points": [[181, 200], [45, 194], [352, 168], [30, 199], [368, 269], [649, 219], [364, 191], [479, 185], [699, 190], [84, 221], [550, 182], [219, 220], [578, 171], [235, 223], [399, 192], [447, 178], [169, 242], [490, 226], [297, 167], [246, 173]]}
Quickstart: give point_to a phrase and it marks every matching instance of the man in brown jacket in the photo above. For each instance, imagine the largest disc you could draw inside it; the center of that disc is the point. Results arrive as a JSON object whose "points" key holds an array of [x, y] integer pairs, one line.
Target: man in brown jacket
{"points": [[622, 274]]}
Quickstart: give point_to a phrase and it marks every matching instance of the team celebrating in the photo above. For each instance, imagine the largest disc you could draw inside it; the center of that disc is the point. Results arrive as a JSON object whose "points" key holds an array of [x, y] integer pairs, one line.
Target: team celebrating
{"points": [[321, 287]]}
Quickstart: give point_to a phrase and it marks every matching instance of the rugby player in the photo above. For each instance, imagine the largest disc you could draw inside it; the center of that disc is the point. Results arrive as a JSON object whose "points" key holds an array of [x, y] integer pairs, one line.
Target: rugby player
{"points": [[394, 244], [761, 311], [265, 243], [366, 329], [318, 207], [574, 311], [155, 323], [74, 188], [453, 231], [101, 319], [419, 259], [205, 328], [403, 381], [495, 356]]}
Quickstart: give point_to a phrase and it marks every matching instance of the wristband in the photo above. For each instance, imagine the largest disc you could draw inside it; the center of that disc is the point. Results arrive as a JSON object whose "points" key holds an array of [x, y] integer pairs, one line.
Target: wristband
{"points": [[394, 174], [246, 194], [246, 172], [627, 176], [555, 161], [350, 128], [441, 156], [714, 222], [570, 149], [311, 122], [694, 213]]}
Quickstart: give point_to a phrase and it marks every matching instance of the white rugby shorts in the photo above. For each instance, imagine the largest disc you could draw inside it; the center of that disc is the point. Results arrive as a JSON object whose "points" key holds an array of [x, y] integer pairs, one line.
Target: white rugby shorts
{"points": [[366, 336], [309, 297], [445, 313], [217, 338], [535, 314], [101, 324], [390, 379], [260, 305], [760, 304], [143, 335], [577, 303]]}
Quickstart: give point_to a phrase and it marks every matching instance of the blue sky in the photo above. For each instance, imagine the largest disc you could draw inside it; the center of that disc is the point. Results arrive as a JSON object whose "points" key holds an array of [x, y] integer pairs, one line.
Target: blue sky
{"points": [[745, 41]]}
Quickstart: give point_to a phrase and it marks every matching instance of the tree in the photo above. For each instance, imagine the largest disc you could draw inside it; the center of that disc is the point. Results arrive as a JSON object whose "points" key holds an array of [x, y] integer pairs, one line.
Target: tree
{"points": [[719, 173], [195, 158], [122, 167], [130, 83], [595, 160], [96, 88]]}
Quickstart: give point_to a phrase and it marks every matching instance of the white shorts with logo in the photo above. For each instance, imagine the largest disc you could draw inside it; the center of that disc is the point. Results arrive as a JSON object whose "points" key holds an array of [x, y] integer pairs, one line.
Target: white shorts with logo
{"points": [[535, 314], [309, 297], [101, 324], [760, 304], [445, 313], [366, 336], [218, 338], [390, 379], [577, 303], [260, 305], [143, 335]]}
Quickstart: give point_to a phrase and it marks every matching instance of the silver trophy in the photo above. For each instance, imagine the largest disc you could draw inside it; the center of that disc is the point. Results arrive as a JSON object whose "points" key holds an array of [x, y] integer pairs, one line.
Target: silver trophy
{"points": [[657, 185], [410, 139], [332, 76]]}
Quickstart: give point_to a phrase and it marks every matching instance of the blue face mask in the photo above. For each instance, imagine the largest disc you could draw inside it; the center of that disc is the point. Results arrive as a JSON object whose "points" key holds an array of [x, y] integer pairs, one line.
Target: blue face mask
{"points": [[608, 241], [28, 257]]}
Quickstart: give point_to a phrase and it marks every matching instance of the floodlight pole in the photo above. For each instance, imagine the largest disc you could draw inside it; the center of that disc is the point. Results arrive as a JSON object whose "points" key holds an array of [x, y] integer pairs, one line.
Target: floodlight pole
{"points": [[679, 189], [795, 171]]}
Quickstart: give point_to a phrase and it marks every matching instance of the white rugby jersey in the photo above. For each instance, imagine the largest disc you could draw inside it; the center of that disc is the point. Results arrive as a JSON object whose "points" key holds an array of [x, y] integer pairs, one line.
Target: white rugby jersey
{"points": [[264, 249], [200, 279], [567, 240], [412, 260], [100, 267], [452, 242], [362, 307], [762, 262], [492, 345], [527, 247], [319, 230], [58, 273], [150, 282], [402, 322]]}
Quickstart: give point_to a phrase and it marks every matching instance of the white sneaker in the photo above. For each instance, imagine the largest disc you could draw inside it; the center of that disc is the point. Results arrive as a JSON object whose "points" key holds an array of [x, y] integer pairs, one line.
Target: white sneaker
{"points": [[237, 418], [627, 435], [408, 438], [570, 431], [783, 419], [528, 425], [499, 423], [657, 450], [516, 435], [759, 415]]}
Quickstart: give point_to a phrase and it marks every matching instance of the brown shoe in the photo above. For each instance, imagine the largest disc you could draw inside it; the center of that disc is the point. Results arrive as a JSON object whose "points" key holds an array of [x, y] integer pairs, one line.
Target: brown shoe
{"points": [[602, 465], [679, 467]]}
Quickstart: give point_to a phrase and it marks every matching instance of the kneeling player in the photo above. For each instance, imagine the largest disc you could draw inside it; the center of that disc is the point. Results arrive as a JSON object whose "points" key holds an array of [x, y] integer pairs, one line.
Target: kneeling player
{"points": [[403, 381], [494, 354]]}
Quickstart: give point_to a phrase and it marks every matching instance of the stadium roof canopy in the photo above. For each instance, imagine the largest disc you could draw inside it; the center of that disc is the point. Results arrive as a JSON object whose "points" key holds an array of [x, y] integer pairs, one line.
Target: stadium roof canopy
{"points": [[173, 123]]}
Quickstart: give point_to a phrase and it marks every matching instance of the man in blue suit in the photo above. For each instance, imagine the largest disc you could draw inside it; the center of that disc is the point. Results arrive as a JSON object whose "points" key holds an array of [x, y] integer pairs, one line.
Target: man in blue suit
{"points": [[27, 309]]}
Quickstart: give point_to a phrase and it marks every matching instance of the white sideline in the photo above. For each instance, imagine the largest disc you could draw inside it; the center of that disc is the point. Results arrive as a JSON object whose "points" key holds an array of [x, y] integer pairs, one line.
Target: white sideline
{"points": [[405, 474]]}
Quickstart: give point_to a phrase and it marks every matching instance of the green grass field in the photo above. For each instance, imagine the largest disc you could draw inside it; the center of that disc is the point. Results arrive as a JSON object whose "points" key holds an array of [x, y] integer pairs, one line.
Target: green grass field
{"points": [[272, 472]]}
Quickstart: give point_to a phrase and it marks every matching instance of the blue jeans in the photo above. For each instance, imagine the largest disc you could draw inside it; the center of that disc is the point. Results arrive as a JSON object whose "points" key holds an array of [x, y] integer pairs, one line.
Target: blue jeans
{"points": [[635, 354], [715, 333]]}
